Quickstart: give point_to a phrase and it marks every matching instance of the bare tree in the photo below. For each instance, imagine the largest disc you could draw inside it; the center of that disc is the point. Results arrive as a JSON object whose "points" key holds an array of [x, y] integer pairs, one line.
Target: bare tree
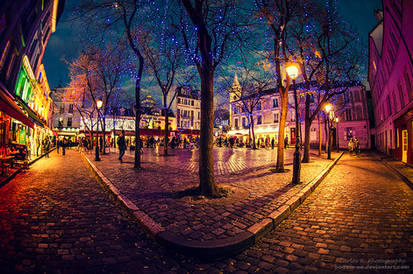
{"points": [[215, 25], [278, 14], [165, 61], [128, 16]]}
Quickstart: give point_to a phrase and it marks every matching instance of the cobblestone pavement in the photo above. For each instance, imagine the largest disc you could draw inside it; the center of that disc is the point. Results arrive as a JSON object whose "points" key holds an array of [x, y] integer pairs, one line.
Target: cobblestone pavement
{"points": [[359, 216], [157, 190], [56, 218], [226, 160]]}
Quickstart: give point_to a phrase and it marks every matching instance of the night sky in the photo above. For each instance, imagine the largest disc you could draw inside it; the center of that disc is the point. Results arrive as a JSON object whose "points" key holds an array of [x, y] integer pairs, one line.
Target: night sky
{"points": [[64, 44]]}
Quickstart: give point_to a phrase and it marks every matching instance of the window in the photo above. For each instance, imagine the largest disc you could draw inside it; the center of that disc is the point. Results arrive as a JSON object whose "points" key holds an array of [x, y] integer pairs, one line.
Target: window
{"points": [[236, 123], [275, 102], [192, 114], [401, 95], [179, 100], [395, 102], [244, 122], [348, 114], [69, 122], [408, 84], [389, 106], [192, 102], [259, 120], [62, 109], [70, 108], [199, 115], [276, 117], [259, 106]]}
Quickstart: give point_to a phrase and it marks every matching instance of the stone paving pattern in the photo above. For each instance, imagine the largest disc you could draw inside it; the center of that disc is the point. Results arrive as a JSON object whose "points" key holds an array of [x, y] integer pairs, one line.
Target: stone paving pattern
{"points": [[56, 218], [156, 191]]}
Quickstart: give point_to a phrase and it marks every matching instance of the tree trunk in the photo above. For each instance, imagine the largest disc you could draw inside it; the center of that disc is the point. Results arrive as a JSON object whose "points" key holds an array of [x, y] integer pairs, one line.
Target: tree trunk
{"points": [[327, 134], [165, 146], [307, 132], [280, 147], [254, 145], [207, 184], [137, 163], [307, 128], [320, 141], [103, 135]]}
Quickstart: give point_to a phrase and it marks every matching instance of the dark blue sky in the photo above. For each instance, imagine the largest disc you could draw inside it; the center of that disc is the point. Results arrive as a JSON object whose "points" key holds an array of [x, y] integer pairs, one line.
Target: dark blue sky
{"points": [[63, 44]]}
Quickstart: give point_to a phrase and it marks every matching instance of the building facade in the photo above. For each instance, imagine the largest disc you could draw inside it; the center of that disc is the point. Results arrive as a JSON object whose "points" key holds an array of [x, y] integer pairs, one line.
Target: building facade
{"points": [[351, 111], [25, 28], [390, 77], [187, 106]]}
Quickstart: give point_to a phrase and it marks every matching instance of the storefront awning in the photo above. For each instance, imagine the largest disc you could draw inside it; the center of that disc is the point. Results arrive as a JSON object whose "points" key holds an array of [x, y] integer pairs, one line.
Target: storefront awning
{"points": [[8, 106]]}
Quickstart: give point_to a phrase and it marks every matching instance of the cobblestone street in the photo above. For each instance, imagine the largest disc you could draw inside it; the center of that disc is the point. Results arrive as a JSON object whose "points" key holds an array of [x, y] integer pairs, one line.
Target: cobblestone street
{"points": [[57, 218]]}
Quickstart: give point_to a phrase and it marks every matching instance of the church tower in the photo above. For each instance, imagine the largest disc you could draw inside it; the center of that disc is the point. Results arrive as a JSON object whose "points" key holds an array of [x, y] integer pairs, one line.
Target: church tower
{"points": [[234, 95]]}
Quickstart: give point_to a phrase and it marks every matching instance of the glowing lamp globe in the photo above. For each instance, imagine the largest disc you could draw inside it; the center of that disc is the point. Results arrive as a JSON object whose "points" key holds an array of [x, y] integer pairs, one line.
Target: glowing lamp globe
{"points": [[328, 108], [99, 104], [292, 71]]}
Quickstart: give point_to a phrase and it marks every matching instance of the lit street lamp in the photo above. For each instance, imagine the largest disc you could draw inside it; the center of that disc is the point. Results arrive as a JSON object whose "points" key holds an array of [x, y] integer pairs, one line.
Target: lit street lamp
{"points": [[292, 71], [98, 106]]}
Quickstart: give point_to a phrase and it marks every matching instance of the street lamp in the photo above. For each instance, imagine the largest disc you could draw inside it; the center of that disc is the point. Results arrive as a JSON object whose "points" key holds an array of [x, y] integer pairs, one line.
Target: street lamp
{"points": [[330, 119], [98, 106], [292, 71]]}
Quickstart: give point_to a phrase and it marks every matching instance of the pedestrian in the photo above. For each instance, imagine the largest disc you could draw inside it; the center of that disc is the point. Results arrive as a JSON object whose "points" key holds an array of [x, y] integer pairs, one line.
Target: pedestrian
{"points": [[58, 146], [64, 143], [272, 143], [121, 145], [286, 142], [357, 146], [351, 146]]}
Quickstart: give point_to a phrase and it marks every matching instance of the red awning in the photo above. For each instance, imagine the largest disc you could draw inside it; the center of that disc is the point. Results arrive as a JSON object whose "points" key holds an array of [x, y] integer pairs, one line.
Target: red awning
{"points": [[8, 106]]}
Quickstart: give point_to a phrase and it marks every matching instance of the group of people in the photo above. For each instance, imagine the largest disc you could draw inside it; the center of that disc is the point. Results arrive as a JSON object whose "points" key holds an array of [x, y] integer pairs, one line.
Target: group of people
{"points": [[237, 142], [354, 146], [62, 143]]}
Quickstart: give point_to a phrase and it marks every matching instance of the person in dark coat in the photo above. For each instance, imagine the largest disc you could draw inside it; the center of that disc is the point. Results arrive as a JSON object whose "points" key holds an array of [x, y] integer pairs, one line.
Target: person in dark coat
{"points": [[121, 145]]}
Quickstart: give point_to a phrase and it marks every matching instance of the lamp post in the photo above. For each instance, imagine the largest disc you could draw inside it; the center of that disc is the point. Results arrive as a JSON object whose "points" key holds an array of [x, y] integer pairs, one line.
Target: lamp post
{"points": [[98, 106], [292, 71], [337, 135], [330, 119]]}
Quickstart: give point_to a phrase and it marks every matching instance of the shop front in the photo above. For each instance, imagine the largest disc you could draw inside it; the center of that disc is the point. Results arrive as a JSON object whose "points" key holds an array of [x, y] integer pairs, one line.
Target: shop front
{"points": [[403, 127]]}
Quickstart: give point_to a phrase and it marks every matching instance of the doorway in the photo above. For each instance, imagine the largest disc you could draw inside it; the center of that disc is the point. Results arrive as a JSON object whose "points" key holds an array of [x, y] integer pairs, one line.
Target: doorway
{"points": [[404, 145]]}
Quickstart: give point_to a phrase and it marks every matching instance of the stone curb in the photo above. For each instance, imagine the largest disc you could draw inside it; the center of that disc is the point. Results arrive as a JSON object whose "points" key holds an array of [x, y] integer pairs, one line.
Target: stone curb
{"points": [[401, 175], [150, 225], [213, 248]]}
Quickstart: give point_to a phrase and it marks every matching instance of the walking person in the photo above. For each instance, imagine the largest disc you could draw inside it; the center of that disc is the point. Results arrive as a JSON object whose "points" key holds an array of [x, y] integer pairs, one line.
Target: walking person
{"points": [[272, 143], [121, 145], [286, 142], [58, 144], [47, 146], [350, 147], [64, 143], [357, 146]]}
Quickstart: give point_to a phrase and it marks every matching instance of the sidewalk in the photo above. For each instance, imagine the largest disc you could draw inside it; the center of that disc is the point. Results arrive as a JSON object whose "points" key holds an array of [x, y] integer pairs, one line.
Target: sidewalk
{"points": [[259, 199], [404, 171], [13, 171]]}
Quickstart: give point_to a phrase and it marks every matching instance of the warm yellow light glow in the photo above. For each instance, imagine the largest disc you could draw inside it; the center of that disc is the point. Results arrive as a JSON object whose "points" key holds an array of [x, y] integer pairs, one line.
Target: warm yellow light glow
{"points": [[336, 119], [54, 15], [99, 104], [28, 67], [328, 108], [292, 71]]}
